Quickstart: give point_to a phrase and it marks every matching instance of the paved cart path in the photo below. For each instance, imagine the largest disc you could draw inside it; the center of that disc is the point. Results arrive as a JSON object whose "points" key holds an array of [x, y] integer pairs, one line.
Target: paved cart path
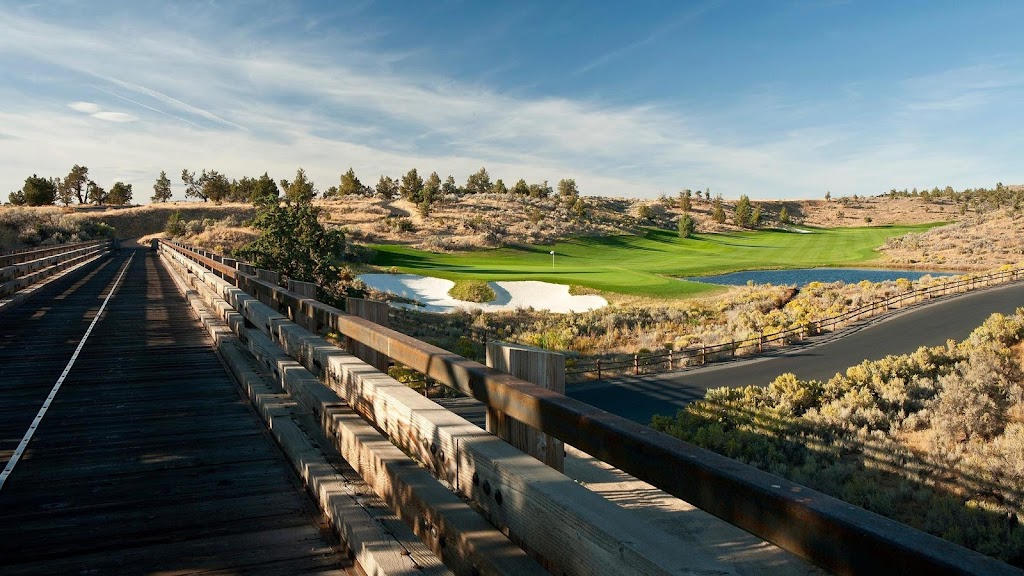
{"points": [[640, 398]]}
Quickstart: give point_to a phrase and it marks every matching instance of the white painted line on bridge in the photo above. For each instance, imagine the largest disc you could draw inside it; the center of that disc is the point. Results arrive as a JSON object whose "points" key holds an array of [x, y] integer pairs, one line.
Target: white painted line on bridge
{"points": [[53, 392]]}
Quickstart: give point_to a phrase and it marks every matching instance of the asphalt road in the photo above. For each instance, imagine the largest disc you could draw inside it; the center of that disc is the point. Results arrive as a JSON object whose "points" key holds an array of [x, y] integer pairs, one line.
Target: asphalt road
{"points": [[901, 332]]}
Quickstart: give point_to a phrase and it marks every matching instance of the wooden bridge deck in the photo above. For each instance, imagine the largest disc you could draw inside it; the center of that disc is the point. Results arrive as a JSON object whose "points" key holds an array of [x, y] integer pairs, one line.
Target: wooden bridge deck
{"points": [[148, 460]]}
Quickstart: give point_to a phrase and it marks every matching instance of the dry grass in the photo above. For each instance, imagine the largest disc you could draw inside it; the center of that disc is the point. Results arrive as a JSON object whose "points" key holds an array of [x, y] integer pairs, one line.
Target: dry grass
{"points": [[917, 441], [973, 242], [479, 221], [837, 213], [489, 220], [138, 221], [224, 239], [978, 242], [843, 212], [22, 227], [18, 225]]}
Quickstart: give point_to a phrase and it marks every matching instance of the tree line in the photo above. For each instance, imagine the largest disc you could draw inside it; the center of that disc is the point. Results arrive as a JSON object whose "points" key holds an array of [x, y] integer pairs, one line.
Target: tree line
{"points": [[76, 186], [745, 213], [215, 186], [425, 192], [413, 187], [979, 199]]}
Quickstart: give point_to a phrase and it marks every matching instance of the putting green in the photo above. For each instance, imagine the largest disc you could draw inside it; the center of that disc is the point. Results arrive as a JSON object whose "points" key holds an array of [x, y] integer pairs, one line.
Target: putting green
{"points": [[648, 264]]}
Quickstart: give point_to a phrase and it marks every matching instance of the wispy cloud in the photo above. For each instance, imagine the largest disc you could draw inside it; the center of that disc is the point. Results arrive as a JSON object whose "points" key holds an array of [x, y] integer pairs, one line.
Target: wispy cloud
{"points": [[255, 104], [85, 107], [115, 116], [961, 88], [173, 102], [96, 111], [141, 105], [658, 33]]}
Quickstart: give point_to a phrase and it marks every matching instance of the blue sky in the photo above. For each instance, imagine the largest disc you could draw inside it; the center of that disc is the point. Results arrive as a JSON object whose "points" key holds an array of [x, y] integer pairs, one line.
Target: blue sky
{"points": [[781, 99]]}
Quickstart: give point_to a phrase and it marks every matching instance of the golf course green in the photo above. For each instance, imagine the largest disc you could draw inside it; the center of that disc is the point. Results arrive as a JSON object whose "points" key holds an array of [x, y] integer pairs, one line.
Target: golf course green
{"points": [[649, 264]]}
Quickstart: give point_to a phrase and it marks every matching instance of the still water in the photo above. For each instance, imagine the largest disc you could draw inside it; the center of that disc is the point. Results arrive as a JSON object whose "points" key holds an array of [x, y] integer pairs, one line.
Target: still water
{"points": [[804, 276]]}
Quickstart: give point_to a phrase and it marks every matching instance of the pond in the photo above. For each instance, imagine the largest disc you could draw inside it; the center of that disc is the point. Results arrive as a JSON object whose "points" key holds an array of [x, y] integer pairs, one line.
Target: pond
{"points": [[803, 276]]}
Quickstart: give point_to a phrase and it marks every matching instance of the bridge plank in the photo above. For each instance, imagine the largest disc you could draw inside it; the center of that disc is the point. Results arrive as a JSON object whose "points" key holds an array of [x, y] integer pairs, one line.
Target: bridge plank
{"points": [[149, 459], [245, 552], [87, 495], [155, 523]]}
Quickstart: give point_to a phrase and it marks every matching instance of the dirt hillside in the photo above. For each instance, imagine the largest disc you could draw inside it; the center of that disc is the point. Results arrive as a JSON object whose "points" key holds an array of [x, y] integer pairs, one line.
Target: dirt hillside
{"points": [[975, 239]]}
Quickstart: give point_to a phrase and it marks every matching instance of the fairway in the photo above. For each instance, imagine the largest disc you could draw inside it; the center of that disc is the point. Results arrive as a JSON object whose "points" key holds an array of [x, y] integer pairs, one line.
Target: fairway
{"points": [[648, 265]]}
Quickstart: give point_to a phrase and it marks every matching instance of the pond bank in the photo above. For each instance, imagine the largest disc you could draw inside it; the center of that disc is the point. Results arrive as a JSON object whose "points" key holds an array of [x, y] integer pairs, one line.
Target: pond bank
{"points": [[803, 276]]}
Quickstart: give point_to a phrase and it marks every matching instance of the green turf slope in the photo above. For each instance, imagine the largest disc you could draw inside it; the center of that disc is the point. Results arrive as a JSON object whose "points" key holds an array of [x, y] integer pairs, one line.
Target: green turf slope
{"points": [[648, 265]]}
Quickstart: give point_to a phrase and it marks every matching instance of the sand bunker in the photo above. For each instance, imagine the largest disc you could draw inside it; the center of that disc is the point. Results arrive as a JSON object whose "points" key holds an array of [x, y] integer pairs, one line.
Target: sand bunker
{"points": [[795, 229], [433, 293]]}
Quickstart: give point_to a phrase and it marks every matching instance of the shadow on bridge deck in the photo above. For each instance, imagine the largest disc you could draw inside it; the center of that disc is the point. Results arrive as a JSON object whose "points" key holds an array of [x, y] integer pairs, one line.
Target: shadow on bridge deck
{"points": [[148, 459]]}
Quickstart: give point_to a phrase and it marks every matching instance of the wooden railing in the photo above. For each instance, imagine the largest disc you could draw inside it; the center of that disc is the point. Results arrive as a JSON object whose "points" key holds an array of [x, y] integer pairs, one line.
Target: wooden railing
{"points": [[22, 269], [676, 359], [515, 494]]}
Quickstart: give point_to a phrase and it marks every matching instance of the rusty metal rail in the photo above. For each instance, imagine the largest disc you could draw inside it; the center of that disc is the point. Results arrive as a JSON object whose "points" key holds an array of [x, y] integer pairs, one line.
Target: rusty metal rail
{"points": [[831, 533]]}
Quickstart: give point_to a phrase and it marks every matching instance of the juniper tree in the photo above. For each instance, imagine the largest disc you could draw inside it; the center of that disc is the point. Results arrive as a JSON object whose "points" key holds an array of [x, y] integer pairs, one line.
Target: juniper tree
{"points": [[161, 188]]}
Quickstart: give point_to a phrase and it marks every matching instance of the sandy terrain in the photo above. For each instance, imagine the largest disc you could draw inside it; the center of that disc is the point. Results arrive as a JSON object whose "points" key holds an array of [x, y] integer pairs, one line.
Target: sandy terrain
{"points": [[977, 242], [841, 212], [495, 220], [433, 293]]}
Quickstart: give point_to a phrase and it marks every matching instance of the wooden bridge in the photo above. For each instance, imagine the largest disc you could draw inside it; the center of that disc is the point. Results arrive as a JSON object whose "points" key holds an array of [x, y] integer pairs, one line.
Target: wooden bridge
{"points": [[170, 411]]}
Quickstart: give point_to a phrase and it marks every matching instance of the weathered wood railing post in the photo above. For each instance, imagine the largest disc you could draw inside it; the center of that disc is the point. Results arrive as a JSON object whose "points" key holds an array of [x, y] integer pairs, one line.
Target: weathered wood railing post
{"points": [[267, 297], [543, 368], [231, 262], [598, 368], [245, 269], [376, 312], [307, 290], [27, 267]]}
